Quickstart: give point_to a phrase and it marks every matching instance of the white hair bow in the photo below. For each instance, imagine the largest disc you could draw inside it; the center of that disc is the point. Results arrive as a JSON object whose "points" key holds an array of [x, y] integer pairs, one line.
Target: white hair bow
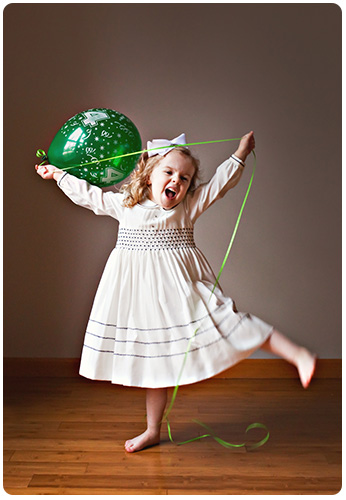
{"points": [[164, 146]]}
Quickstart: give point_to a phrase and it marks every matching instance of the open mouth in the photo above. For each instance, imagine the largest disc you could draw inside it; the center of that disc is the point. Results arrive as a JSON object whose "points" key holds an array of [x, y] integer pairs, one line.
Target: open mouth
{"points": [[170, 193]]}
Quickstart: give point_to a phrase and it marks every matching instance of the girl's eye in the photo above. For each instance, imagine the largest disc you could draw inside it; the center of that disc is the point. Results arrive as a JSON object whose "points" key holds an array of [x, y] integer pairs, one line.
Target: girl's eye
{"points": [[183, 179], [168, 172]]}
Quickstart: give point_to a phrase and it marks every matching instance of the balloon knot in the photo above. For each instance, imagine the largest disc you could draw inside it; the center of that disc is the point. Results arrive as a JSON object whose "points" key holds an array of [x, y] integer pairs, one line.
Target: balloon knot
{"points": [[41, 154]]}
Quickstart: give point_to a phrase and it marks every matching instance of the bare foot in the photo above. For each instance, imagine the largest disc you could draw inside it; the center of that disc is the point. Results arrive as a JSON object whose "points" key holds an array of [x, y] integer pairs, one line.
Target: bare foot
{"points": [[148, 438], [306, 364]]}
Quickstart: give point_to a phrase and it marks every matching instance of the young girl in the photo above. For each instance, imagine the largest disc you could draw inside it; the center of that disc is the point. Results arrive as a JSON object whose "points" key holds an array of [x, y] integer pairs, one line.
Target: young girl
{"points": [[154, 301]]}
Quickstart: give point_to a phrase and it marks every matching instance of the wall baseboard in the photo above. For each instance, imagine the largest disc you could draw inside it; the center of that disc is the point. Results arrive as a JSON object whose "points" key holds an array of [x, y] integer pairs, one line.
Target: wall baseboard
{"points": [[249, 368]]}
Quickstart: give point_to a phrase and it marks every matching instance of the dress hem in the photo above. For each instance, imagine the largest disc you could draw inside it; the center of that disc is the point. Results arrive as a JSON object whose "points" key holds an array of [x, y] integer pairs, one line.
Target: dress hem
{"points": [[212, 372]]}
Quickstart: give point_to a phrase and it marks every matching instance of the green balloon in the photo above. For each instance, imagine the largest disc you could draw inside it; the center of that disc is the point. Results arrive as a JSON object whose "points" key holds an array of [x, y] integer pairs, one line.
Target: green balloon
{"points": [[88, 142]]}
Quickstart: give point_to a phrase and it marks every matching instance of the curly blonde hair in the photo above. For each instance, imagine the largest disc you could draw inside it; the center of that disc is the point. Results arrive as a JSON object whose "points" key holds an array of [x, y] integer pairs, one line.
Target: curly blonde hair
{"points": [[137, 188]]}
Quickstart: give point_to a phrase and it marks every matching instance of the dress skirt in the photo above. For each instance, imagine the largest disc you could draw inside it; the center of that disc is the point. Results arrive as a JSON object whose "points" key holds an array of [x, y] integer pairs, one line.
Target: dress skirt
{"points": [[153, 309]]}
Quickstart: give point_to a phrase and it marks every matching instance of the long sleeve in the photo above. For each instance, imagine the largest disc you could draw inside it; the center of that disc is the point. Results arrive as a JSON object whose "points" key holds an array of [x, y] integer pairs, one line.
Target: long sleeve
{"points": [[92, 197], [227, 175]]}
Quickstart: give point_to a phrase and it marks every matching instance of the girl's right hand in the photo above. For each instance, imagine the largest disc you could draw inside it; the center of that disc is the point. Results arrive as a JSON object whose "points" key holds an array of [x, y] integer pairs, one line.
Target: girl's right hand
{"points": [[49, 172], [246, 145]]}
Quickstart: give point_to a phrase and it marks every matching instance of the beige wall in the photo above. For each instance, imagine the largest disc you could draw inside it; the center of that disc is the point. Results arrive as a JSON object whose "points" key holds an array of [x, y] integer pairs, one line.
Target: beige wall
{"points": [[212, 71]]}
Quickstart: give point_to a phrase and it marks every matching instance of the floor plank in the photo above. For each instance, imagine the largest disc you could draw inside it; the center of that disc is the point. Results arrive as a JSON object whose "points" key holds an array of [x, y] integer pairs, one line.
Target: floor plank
{"points": [[66, 436]]}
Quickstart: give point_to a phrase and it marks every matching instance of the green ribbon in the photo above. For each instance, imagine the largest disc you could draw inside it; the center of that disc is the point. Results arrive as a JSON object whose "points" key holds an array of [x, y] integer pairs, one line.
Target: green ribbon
{"points": [[237, 223], [40, 152], [223, 443], [175, 391], [161, 147]]}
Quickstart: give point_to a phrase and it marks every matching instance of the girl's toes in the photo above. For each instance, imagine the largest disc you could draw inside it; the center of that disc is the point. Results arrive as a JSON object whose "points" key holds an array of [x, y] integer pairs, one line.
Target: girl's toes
{"points": [[129, 446], [307, 368]]}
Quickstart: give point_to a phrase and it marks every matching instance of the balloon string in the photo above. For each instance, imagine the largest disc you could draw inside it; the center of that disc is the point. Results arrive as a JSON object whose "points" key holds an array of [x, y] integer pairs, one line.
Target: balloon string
{"points": [[224, 443], [161, 147], [41, 154], [237, 223], [175, 391], [39, 151]]}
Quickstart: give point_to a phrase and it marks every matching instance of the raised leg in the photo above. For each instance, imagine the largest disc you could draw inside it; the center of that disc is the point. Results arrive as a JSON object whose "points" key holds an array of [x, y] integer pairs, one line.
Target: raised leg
{"points": [[156, 400], [299, 356]]}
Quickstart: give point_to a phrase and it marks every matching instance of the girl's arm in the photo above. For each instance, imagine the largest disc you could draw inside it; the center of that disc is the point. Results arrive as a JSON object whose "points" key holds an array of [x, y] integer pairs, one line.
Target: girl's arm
{"points": [[84, 194], [226, 176]]}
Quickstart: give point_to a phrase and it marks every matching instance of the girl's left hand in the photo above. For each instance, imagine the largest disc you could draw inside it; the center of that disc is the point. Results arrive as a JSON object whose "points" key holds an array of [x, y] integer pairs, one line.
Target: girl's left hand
{"points": [[246, 145], [48, 172]]}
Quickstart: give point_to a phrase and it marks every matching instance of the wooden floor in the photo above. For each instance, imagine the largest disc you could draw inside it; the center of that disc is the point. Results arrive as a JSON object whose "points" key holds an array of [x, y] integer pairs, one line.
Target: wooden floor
{"points": [[65, 436]]}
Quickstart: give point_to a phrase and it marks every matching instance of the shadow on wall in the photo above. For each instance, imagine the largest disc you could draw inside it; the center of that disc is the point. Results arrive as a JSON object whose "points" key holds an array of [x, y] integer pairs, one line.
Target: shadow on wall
{"points": [[232, 67]]}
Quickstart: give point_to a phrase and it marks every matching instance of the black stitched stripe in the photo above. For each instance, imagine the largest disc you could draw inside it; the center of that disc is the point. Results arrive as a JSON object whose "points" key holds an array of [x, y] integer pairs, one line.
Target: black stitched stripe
{"points": [[238, 160], [111, 325], [135, 341], [156, 342], [175, 354], [61, 178]]}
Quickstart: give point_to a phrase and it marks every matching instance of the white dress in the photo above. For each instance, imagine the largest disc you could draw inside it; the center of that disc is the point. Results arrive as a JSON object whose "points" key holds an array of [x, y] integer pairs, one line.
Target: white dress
{"points": [[155, 294]]}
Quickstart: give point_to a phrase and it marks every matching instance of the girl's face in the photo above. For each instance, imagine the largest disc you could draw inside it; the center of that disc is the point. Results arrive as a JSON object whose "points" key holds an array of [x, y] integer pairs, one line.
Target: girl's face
{"points": [[170, 180]]}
